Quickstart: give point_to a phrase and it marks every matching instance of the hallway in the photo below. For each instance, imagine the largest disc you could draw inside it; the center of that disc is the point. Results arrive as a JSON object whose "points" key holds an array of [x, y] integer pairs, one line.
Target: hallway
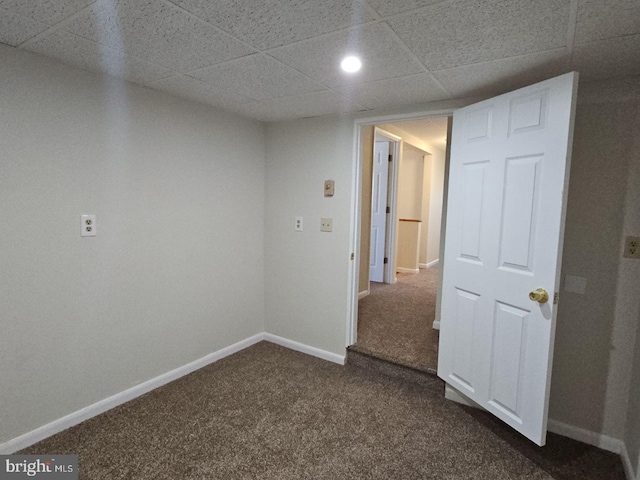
{"points": [[395, 321]]}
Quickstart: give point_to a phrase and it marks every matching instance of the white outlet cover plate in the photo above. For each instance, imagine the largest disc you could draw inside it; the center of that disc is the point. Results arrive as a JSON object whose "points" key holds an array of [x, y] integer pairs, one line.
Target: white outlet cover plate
{"points": [[575, 284], [84, 230], [326, 224], [299, 224]]}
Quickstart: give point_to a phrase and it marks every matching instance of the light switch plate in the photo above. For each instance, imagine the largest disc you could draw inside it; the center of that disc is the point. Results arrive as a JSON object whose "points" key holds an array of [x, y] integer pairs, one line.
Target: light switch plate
{"points": [[329, 187], [326, 224], [575, 284], [88, 225]]}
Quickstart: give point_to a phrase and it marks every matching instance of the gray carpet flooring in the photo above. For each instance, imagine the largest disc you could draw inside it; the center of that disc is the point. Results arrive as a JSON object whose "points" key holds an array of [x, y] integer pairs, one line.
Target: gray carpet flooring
{"points": [[271, 413], [395, 321]]}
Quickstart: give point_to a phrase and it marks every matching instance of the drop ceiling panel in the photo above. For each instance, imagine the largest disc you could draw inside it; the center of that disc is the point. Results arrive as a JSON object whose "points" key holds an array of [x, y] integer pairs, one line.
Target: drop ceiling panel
{"points": [[383, 56], [413, 51], [599, 20], [45, 11], [259, 77], [385, 7], [500, 76], [197, 91], [431, 130], [454, 33], [311, 104], [15, 29], [157, 31], [608, 58], [419, 88], [267, 24], [91, 56]]}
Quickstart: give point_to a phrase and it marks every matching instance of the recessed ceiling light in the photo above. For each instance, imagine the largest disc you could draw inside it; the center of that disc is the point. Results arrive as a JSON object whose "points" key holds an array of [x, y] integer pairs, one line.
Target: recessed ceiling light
{"points": [[351, 64]]}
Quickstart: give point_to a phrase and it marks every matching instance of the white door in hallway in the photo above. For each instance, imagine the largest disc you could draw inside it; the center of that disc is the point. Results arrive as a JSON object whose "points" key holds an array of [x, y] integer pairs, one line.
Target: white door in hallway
{"points": [[379, 210], [509, 174]]}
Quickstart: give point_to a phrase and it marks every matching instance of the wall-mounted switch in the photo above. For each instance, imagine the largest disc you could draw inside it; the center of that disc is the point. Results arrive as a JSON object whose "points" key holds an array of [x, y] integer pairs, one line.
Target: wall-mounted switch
{"points": [[88, 225], [326, 224], [298, 224], [329, 186]]}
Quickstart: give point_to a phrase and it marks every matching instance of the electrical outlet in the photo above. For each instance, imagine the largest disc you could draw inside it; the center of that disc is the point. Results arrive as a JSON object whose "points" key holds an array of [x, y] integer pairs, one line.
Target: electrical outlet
{"points": [[88, 225], [298, 224], [632, 247], [326, 224]]}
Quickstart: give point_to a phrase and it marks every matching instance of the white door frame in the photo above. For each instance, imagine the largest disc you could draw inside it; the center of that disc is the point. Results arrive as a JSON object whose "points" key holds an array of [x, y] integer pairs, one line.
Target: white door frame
{"points": [[389, 275], [356, 200]]}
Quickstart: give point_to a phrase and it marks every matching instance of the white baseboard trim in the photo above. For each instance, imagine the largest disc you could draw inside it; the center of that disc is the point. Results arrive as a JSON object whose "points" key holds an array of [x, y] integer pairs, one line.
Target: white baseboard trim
{"points": [[436, 324], [586, 436], [301, 347], [363, 294], [407, 270], [423, 265], [433, 263], [68, 421]]}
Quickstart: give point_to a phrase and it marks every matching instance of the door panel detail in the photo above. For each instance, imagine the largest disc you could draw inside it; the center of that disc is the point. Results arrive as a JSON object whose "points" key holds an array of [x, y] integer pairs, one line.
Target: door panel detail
{"points": [[509, 354], [473, 193], [519, 212]]}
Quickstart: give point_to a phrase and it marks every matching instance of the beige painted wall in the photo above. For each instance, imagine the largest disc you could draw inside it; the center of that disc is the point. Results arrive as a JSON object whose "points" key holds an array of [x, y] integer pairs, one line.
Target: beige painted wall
{"points": [[307, 297], [366, 158], [176, 269], [410, 188], [628, 280], [596, 331], [632, 426], [436, 193], [426, 202]]}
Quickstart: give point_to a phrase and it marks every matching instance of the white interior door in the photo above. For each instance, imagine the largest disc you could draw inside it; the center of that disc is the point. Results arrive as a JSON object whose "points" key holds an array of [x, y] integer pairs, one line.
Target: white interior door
{"points": [[379, 210], [510, 159]]}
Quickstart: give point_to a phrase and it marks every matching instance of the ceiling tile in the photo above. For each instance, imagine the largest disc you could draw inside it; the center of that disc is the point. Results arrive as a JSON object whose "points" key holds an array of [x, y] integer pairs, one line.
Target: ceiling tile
{"points": [[45, 11], [430, 130], [259, 77], [15, 29], [89, 55], [500, 76], [614, 57], [272, 23], [192, 89], [598, 20], [381, 53], [395, 91], [157, 31], [299, 106], [385, 7], [454, 33]]}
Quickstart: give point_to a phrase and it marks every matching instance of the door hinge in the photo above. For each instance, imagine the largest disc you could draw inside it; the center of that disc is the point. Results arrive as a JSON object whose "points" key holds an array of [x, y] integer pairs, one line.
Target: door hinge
{"points": [[390, 158], [555, 298], [353, 256], [386, 260], [388, 209]]}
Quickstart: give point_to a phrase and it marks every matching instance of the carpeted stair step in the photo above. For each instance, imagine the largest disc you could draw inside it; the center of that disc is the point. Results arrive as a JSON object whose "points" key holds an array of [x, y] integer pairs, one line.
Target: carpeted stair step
{"points": [[376, 365]]}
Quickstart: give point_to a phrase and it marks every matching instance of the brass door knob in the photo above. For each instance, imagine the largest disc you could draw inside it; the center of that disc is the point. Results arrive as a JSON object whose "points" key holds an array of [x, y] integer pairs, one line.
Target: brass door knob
{"points": [[539, 295]]}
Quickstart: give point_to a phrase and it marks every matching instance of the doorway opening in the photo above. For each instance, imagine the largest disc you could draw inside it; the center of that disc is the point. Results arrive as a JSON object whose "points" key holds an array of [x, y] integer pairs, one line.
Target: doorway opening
{"points": [[401, 211]]}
